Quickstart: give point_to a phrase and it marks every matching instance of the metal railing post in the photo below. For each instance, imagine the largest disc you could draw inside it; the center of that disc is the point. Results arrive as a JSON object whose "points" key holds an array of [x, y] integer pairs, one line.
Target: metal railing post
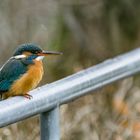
{"points": [[49, 125]]}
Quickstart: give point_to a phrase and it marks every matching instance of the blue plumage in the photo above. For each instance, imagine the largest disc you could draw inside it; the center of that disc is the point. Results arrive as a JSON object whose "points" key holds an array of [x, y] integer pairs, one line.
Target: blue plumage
{"points": [[29, 47], [10, 72], [15, 68], [27, 58]]}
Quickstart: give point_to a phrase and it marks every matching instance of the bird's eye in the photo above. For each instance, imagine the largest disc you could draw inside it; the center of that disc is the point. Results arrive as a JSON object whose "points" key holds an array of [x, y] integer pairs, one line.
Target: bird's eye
{"points": [[35, 52]]}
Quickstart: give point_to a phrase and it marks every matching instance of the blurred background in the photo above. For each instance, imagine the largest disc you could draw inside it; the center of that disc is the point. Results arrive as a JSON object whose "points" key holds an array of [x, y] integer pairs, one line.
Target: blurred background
{"points": [[87, 32]]}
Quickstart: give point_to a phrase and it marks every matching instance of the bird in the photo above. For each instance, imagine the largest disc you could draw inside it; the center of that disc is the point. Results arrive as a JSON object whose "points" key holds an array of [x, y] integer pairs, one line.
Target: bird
{"points": [[23, 71]]}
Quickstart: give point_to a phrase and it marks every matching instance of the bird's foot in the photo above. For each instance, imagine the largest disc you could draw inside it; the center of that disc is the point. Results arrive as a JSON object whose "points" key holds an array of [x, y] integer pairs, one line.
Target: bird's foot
{"points": [[1, 97], [28, 96]]}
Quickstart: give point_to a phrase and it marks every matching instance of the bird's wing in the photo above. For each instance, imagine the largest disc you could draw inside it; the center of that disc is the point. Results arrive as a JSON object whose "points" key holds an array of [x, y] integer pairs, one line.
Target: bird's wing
{"points": [[10, 72]]}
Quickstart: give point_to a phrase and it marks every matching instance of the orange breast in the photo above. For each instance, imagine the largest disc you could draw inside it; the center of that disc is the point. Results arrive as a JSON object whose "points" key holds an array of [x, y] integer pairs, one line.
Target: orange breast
{"points": [[29, 80]]}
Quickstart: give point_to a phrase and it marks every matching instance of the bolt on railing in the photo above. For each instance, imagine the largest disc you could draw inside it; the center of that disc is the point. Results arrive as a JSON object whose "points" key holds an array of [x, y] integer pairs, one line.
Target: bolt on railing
{"points": [[47, 99]]}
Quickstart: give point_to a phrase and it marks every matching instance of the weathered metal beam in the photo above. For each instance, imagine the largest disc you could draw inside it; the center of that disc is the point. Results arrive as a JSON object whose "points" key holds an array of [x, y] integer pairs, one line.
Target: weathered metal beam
{"points": [[49, 96], [49, 124]]}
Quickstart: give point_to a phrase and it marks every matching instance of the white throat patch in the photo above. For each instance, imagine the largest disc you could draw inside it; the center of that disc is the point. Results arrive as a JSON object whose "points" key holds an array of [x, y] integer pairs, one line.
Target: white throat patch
{"points": [[39, 58]]}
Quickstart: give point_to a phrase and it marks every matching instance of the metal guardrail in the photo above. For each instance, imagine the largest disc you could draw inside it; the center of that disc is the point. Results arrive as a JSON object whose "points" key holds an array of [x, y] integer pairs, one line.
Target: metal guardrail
{"points": [[47, 99]]}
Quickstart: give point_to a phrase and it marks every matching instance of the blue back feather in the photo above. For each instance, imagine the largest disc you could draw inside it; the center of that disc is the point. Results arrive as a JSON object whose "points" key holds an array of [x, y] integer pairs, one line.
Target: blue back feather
{"points": [[10, 72]]}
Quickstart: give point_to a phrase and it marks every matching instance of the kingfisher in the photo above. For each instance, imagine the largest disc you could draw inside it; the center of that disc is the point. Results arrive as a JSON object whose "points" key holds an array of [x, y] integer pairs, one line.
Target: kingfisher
{"points": [[23, 71]]}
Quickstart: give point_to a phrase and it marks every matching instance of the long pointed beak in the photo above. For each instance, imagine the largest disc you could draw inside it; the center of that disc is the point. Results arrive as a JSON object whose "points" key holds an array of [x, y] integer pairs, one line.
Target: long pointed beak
{"points": [[46, 53]]}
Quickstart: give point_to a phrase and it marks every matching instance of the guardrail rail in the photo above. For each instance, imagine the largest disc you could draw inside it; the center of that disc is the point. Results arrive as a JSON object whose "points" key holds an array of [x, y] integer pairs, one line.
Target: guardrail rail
{"points": [[47, 99]]}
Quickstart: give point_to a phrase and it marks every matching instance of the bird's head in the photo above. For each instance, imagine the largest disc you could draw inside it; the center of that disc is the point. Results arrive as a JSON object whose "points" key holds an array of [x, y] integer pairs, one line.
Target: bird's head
{"points": [[32, 51]]}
